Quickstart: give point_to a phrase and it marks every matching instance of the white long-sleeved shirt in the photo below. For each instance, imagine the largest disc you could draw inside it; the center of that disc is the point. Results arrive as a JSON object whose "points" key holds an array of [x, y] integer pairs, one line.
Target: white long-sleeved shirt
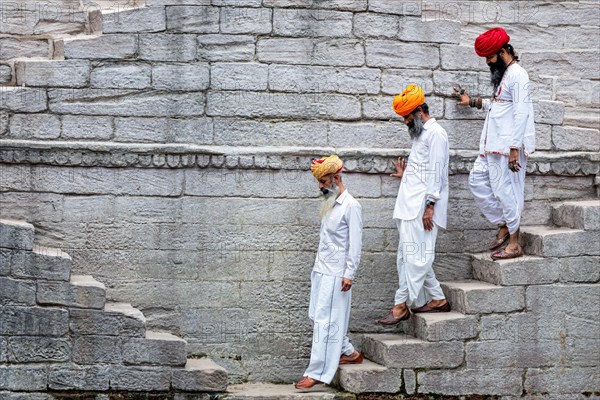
{"points": [[341, 239], [426, 176], [509, 122]]}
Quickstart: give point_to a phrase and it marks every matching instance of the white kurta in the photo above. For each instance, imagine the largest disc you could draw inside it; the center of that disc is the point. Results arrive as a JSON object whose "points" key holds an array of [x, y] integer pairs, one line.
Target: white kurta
{"points": [[338, 257], [498, 191], [425, 178]]}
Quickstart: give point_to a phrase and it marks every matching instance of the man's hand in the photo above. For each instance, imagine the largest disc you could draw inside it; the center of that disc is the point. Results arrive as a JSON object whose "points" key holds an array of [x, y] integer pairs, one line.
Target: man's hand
{"points": [[346, 284], [428, 218], [400, 167], [513, 160], [463, 98]]}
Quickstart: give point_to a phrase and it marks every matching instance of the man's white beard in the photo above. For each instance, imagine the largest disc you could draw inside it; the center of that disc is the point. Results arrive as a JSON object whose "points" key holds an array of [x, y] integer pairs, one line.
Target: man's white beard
{"points": [[329, 201]]}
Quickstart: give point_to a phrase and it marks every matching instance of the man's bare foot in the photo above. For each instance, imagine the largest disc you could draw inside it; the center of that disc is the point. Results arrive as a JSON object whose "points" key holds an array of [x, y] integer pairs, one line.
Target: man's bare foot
{"points": [[502, 232]]}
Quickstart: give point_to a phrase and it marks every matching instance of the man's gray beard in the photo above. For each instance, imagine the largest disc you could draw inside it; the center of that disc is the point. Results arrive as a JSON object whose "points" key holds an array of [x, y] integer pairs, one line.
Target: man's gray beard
{"points": [[417, 127], [329, 202]]}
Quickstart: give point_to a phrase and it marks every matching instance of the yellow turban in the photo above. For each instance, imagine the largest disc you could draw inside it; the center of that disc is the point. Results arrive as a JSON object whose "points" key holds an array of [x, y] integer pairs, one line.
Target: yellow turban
{"points": [[412, 97], [325, 166]]}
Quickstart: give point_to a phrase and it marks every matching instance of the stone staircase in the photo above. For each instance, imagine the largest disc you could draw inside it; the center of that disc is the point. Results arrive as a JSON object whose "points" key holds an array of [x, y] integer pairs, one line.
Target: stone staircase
{"points": [[447, 352], [58, 332]]}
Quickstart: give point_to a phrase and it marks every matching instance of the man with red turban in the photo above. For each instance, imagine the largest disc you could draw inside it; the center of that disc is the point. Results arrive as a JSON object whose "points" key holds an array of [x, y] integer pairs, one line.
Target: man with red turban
{"points": [[508, 137], [420, 209], [336, 263]]}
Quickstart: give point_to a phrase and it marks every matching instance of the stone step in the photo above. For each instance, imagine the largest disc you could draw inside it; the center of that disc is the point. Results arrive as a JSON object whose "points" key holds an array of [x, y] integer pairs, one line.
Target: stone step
{"points": [[116, 319], [42, 263], [404, 351], [583, 214], [476, 297], [443, 327], [546, 241], [16, 234], [202, 375], [157, 348], [52, 73], [368, 377], [82, 291], [268, 391], [526, 270]]}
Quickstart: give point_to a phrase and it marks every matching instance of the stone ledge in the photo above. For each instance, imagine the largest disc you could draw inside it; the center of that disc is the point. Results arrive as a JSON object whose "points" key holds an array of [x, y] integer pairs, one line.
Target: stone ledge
{"points": [[365, 160]]}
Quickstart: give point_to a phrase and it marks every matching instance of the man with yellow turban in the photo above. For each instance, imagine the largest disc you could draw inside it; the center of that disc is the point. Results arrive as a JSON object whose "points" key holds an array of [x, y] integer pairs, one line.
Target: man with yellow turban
{"points": [[421, 208], [497, 179], [335, 265]]}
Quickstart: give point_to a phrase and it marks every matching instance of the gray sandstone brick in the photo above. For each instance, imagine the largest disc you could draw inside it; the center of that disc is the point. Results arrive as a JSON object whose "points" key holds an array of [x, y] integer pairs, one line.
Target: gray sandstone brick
{"points": [[16, 234], [334, 52], [575, 139], [239, 76], [350, 5], [200, 375], [193, 19], [121, 76], [384, 54], [453, 111], [474, 297], [443, 326], [140, 378], [579, 269], [247, 132], [380, 135], [324, 79], [77, 377], [436, 31], [476, 83], [3, 349], [81, 291], [151, 130], [181, 76], [155, 349], [239, 20], [525, 353], [25, 396], [461, 58], [167, 47], [394, 81], [192, 130], [106, 46], [146, 19], [555, 299], [6, 73], [225, 48], [97, 350], [86, 127], [560, 242], [410, 381], [369, 377], [3, 122], [568, 62], [23, 48], [68, 73], [24, 349], [17, 292], [339, 52], [23, 377], [33, 321], [116, 319], [34, 126], [311, 23], [23, 99], [400, 7], [549, 112], [368, 25], [526, 270], [562, 380], [500, 381]]}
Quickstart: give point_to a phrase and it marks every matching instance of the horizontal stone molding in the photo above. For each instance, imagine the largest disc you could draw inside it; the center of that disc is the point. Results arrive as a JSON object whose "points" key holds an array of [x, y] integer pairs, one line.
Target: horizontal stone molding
{"points": [[364, 160]]}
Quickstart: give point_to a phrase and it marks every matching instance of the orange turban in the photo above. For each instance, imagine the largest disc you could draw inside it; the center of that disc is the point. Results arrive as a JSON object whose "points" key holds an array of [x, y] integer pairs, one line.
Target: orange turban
{"points": [[412, 97], [325, 166], [490, 42]]}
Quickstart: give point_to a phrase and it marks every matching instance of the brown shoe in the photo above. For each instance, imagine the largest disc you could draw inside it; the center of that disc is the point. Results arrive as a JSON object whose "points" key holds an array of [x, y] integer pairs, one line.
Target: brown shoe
{"points": [[505, 255], [427, 309], [391, 320], [354, 358], [306, 383], [498, 242]]}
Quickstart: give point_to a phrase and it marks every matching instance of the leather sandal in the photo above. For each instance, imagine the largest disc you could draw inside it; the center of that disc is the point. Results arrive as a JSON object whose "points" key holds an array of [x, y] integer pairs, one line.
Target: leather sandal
{"points": [[505, 255], [357, 359], [427, 309], [391, 320], [498, 242], [306, 383]]}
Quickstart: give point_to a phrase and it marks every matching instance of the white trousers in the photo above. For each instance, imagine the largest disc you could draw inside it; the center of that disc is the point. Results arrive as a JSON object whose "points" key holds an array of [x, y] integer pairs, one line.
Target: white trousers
{"points": [[416, 253], [329, 310], [498, 191]]}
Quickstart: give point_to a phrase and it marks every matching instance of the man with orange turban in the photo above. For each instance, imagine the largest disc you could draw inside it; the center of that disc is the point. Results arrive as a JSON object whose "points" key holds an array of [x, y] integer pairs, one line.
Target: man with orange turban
{"points": [[497, 179], [421, 208], [336, 263]]}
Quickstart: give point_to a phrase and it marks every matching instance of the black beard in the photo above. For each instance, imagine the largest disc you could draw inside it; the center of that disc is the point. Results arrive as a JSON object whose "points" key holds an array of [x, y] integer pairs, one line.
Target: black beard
{"points": [[497, 69], [415, 127]]}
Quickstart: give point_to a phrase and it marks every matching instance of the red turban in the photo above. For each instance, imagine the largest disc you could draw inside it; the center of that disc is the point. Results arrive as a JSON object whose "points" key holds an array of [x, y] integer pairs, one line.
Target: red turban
{"points": [[490, 42]]}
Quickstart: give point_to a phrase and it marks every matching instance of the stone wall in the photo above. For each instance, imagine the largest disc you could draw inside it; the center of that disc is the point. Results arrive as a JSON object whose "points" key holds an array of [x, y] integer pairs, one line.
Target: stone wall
{"points": [[168, 152]]}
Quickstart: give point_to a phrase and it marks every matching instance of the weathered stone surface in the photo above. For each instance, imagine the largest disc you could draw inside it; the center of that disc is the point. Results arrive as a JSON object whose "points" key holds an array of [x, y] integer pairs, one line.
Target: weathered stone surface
{"points": [[117, 319], [6, 73], [76, 377], [151, 130], [267, 391], [311, 23], [238, 20], [23, 377], [436, 31], [23, 99], [247, 132], [526, 270], [474, 297], [25, 396], [200, 375], [69, 73], [577, 214], [375, 25], [239, 76], [410, 381], [461, 58], [16, 291], [577, 139], [403, 351], [19, 48], [97, 350], [443, 326], [189, 76], [335, 52], [549, 112], [167, 47], [86, 127], [383, 135], [471, 381], [3, 349], [190, 130], [350, 5], [368, 377], [193, 19], [562, 380], [16, 234], [383, 53], [226, 48], [121, 76], [394, 81], [579, 269], [82, 291], [401, 7], [155, 349], [33, 321], [147, 19], [545, 298], [567, 63], [113, 46], [34, 126], [140, 378], [525, 353], [23, 349], [560, 242]]}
